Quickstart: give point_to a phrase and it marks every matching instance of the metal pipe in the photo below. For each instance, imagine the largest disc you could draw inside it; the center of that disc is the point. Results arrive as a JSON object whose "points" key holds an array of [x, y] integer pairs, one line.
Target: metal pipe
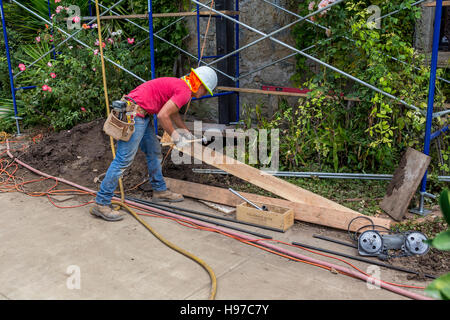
{"points": [[351, 245], [361, 259], [201, 219], [324, 175], [237, 71], [263, 208], [152, 55], [310, 174], [25, 88], [8, 58], [51, 30], [315, 59], [432, 85], [437, 133], [160, 205]]}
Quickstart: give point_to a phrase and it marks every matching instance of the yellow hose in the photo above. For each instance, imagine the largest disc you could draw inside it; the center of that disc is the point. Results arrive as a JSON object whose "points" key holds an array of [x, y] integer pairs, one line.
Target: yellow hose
{"points": [[122, 204]]}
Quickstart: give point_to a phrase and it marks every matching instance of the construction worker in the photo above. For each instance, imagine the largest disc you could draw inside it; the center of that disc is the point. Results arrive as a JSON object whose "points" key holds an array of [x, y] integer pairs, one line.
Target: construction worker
{"points": [[163, 97]]}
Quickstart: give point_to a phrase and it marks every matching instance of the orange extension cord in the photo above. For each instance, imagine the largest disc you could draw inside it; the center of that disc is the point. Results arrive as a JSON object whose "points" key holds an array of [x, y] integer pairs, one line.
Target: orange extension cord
{"points": [[10, 183]]}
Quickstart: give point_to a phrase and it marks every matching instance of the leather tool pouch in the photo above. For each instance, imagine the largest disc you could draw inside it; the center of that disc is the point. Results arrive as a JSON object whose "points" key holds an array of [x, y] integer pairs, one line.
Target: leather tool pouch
{"points": [[118, 129]]}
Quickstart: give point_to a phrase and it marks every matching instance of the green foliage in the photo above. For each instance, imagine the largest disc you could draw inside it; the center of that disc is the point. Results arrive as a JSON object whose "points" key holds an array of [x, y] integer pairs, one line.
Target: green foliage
{"points": [[440, 288], [373, 133], [76, 87]]}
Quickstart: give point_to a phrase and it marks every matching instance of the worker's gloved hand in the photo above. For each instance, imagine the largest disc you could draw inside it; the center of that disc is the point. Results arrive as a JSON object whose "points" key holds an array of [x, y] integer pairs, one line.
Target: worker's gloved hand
{"points": [[188, 135], [180, 141]]}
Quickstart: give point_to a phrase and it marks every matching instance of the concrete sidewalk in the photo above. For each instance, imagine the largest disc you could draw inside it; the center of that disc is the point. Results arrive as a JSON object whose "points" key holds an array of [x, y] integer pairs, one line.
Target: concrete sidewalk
{"points": [[122, 260]]}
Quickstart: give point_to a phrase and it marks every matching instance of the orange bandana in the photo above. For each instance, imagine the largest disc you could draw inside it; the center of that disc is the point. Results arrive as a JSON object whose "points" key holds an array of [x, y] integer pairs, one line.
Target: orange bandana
{"points": [[192, 81]]}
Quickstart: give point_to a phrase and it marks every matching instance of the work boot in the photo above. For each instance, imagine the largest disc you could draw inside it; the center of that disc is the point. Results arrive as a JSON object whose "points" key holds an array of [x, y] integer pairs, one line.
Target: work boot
{"points": [[106, 212], [166, 195]]}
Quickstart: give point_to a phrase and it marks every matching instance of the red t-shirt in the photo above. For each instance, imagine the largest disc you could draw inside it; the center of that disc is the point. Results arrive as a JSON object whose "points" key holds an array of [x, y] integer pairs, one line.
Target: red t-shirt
{"points": [[153, 94]]}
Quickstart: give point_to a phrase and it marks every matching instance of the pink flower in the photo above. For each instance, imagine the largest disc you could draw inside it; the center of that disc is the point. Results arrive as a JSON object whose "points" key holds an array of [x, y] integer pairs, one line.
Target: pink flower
{"points": [[130, 40], [49, 89], [323, 4], [45, 87], [53, 75], [311, 5], [94, 69], [59, 8], [51, 38], [97, 43], [94, 25], [76, 19], [22, 67], [96, 52], [56, 1], [110, 40], [49, 64], [38, 39], [83, 109]]}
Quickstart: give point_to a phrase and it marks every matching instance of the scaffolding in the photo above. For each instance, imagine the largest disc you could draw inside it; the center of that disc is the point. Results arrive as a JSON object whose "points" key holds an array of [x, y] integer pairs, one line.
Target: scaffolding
{"points": [[232, 16]]}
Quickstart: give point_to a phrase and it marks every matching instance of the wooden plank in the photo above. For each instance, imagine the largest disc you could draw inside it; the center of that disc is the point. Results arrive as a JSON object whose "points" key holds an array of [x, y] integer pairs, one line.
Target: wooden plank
{"points": [[433, 4], [312, 214], [404, 183], [160, 15], [259, 178], [277, 93]]}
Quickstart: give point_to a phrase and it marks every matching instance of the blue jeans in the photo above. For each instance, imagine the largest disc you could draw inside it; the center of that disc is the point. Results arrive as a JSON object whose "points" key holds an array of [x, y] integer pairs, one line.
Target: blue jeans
{"points": [[145, 138]]}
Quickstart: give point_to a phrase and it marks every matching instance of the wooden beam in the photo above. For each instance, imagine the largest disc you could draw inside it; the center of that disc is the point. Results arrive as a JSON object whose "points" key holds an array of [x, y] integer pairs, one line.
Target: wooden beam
{"points": [[312, 214], [404, 183], [433, 4], [161, 15], [277, 93], [261, 179]]}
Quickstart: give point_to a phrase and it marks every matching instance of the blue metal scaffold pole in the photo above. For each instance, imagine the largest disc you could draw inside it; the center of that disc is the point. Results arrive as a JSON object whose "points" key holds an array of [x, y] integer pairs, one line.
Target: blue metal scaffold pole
{"points": [[8, 57], [431, 90], [152, 53]]}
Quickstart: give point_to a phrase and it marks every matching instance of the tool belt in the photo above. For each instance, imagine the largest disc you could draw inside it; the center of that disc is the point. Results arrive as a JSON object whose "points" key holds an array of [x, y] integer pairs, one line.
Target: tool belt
{"points": [[120, 122], [132, 106]]}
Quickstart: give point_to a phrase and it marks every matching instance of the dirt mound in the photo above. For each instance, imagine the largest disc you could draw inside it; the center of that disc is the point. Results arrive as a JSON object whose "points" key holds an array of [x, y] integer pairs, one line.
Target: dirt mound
{"points": [[83, 154]]}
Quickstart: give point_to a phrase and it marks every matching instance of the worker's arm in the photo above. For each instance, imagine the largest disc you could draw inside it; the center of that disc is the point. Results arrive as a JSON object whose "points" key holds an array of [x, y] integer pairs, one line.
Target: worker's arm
{"points": [[176, 118], [165, 118]]}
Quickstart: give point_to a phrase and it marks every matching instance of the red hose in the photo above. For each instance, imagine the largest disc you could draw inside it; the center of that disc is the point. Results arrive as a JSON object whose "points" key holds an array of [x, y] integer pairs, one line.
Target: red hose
{"points": [[245, 237]]}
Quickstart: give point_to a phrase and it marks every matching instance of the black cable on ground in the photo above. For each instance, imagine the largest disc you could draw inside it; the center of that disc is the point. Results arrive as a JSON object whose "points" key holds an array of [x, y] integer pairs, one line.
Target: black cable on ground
{"points": [[161, 206], [260, 235], [362, 259]]}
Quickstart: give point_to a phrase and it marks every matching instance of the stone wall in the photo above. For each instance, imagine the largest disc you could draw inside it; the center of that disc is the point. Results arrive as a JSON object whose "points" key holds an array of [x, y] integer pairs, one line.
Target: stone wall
{"points": [[266, 18]]}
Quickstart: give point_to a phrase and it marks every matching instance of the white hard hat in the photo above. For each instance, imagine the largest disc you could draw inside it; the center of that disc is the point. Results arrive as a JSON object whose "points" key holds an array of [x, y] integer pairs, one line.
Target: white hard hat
{"points": [[207, 76]]}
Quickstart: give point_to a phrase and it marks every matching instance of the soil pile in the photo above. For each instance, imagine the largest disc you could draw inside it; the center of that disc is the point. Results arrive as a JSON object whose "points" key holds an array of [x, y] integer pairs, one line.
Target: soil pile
{"points": [[83, 155]]}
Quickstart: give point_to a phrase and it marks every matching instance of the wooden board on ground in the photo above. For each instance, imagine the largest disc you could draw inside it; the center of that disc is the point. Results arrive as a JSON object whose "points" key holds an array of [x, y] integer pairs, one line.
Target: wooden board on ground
{"points": [[261, 179], [404, 183], [312, 214]]}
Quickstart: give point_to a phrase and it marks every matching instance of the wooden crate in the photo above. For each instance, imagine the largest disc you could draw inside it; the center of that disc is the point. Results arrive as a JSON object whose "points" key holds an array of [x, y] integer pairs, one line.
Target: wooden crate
{"points": [[275, 217]]}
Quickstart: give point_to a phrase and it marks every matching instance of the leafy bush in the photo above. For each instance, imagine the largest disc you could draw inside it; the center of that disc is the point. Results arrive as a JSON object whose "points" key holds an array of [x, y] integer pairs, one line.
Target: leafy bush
{"points": [[440, 288], [69, 83], [370, 134]]}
